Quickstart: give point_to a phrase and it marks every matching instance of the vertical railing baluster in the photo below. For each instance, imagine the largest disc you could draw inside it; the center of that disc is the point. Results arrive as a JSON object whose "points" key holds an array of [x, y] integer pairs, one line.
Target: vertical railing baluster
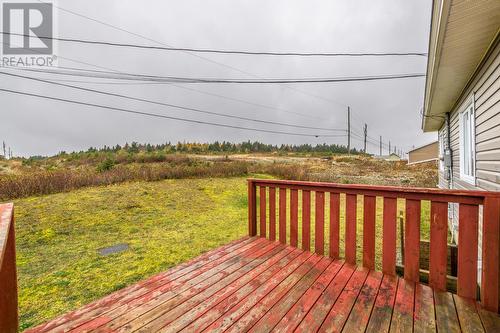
{"points": [[369, 232], [334, 225], [438, 252], [412, 240], [306, 220], [294, 217], [319, 223], [350, 229], [272, 213], [275, 202], [263, 207], [491, 254], [389, 237], [282, 217], [468, 220], [252, 208]]}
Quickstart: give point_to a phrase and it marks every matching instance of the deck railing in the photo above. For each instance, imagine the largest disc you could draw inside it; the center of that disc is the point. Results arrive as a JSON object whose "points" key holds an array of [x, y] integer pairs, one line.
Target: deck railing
{"points": [[275, 197], [8, 276]]}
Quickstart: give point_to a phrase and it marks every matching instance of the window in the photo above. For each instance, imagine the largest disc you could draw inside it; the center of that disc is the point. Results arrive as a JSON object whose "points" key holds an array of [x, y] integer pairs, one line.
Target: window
{"points": [[467, 144]]}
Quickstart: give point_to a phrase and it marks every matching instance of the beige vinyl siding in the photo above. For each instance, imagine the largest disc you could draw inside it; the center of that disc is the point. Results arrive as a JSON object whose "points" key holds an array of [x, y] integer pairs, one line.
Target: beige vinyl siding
{"points": [[424, 153], [486, 90]]}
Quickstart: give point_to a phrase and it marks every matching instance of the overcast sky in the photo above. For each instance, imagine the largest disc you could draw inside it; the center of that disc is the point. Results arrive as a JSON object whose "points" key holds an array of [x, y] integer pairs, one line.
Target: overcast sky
{"points": [[391, 108]]}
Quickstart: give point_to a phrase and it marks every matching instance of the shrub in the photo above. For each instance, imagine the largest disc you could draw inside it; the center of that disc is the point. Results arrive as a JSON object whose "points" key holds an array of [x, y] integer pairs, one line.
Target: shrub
{"points": [[106, 165]]}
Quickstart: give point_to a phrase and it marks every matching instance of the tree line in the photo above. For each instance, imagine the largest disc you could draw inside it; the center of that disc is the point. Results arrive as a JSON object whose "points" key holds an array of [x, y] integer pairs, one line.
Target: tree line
{"points": [[222, 147]]}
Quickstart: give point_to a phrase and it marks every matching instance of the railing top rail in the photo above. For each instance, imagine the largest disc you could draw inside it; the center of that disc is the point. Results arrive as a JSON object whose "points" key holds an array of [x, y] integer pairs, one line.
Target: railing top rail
{"points": [[461, 196], [5, 220]]}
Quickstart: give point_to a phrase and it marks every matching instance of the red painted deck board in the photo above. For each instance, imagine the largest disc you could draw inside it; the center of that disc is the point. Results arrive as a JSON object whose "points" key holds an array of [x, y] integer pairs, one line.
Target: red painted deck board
{"points": [[259, 285], [341, 310]]}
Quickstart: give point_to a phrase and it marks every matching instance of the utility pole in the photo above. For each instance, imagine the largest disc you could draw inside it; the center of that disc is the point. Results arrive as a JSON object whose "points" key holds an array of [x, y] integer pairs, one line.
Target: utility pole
{"points": [[4, 151], [381, 145], [389, 147], [366, 132], [348, 130]]}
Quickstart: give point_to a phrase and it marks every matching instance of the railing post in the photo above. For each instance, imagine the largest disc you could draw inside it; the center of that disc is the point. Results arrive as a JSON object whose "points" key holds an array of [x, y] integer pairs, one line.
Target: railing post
{"points": [[490, 278], [252, 208], [8, 275]]}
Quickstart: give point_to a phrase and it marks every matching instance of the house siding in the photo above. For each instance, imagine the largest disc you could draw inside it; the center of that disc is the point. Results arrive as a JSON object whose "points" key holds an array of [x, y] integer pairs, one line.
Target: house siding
{"points": [[425, 153], [485, 92], [485, 89]]}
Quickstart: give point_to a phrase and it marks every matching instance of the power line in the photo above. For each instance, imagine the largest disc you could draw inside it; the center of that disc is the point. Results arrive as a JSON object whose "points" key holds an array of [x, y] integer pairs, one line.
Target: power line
{"points": [[244, 52], [168, 104], [175, 85], [191, 89], [163, 116], [195, 55], [209, 60], [192, 54], [177, 79]]}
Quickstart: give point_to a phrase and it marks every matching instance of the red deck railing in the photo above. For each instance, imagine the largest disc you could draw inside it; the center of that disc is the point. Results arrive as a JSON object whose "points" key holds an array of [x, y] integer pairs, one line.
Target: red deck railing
{"points": [[286, 194], [8, 276]]}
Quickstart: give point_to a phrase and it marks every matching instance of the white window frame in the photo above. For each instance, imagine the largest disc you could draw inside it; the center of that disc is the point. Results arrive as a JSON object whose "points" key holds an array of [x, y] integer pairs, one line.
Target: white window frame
{"points": [[468, 110]]}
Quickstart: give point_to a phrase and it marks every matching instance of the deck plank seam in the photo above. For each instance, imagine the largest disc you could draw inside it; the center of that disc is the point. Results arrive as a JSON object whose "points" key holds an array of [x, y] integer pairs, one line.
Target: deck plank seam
{"points": [[278, 256], [197, 272], [374, 299], [286, 293], [373, 305], [481, 318], [359, 293], [314, 304], [435, 311], [335, 301], [456, 312], [245, 299], [274, 288], [291, 289], [353, 303], [319, 296], [253, 248], [294, 253], [393, 304], [299, 253], [273, 251]]}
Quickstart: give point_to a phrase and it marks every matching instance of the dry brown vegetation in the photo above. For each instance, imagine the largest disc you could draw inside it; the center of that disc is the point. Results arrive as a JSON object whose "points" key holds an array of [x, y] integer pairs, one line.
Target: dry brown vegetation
{"points": [[61, 176]]}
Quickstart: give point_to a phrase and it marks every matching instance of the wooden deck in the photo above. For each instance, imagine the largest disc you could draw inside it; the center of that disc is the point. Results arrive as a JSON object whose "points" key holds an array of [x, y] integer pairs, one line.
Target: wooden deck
{"points": [[265, 282], [259, 285]]}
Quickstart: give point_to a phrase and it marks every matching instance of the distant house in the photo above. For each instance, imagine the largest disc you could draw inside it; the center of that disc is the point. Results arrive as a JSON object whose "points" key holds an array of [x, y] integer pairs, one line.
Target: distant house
{"points": [[462, 94], [426, 153], [391, 157]]}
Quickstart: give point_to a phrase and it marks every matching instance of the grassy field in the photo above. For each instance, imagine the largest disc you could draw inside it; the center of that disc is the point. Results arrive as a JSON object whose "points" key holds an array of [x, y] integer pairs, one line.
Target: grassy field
{"points": [[25, 177], [165, 223]]}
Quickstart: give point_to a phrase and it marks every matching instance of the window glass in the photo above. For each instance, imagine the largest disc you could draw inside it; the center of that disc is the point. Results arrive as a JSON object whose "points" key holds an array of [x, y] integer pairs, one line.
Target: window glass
{"points": [[467, 144]]}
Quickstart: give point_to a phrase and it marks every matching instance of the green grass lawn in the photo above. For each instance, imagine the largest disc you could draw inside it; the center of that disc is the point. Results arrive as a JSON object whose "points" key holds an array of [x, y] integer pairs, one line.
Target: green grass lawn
{"points": [[165, 223]]}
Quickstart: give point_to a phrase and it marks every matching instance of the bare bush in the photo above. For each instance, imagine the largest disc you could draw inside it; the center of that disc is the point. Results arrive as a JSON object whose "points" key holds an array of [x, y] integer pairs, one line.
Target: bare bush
{"points": [[46, 182]]}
